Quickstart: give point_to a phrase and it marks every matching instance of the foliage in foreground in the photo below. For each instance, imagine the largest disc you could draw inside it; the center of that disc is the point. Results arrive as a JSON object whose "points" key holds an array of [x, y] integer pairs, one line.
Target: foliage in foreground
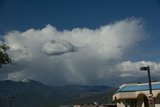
{"points": [[4, 57]]}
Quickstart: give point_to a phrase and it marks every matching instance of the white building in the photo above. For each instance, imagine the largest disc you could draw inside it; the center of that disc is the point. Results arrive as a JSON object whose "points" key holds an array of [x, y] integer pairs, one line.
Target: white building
{"points": [[137, 95]]}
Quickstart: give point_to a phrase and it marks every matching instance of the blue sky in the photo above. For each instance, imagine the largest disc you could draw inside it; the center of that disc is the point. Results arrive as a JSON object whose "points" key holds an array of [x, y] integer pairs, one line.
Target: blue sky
{"points": [[68, 14], [24, 14], [87, 16]]}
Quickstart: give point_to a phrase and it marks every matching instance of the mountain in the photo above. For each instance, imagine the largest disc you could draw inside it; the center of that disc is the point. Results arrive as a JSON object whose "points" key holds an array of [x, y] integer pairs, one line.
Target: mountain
{"points": [[30, 93]]}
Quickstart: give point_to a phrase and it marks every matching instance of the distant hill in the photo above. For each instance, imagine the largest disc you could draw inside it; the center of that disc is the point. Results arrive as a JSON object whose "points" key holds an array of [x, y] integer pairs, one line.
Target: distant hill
{"points": [[31, 93]]}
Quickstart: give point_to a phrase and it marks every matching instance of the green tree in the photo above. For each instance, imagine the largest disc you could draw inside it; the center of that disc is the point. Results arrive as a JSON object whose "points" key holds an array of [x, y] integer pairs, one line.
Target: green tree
{"points": [[4, 57]]}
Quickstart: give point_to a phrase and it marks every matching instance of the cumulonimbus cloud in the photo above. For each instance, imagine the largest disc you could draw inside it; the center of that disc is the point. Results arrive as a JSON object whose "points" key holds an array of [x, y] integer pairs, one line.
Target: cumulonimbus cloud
{"points": [[78, 56]]}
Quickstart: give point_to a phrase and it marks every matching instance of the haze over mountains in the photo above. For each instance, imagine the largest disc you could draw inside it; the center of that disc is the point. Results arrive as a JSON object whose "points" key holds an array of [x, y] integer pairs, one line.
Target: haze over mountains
{"points": [[30, 93]]}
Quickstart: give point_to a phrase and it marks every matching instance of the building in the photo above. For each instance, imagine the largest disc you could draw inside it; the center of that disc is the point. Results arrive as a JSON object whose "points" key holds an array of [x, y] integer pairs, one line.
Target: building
{"points": [[95, 105], [137, 95], [90, 105]]}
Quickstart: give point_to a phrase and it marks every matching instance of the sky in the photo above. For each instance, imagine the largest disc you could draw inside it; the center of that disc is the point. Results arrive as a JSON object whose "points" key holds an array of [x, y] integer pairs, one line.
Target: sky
{"points": [[91, 42]]}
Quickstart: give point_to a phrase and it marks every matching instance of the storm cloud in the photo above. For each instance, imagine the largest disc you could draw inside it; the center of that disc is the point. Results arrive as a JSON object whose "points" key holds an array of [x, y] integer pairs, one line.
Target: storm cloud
{"points": [[77, 56]]}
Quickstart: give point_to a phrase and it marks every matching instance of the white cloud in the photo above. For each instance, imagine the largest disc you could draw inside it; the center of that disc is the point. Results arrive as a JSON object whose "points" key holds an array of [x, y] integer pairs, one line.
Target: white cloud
{"points": [[17, 76], [132, 69], [58, 47], [49, 56]]}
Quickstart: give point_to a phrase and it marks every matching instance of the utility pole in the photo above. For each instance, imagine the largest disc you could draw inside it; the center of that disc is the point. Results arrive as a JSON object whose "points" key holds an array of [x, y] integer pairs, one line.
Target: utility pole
{"points": [[10, 100]]}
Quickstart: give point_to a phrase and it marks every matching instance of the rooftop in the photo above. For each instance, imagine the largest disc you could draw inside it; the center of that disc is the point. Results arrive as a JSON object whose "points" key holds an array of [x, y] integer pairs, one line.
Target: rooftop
{"points": [[132, 87]]}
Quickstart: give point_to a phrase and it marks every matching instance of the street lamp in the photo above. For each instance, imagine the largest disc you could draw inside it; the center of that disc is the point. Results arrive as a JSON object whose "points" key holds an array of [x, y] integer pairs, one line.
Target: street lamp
{"points": [[149, 77], [150, 96]]}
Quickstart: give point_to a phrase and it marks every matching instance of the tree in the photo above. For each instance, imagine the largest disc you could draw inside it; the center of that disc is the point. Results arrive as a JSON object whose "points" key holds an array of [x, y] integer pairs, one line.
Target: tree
{"points": [[4, 57]]}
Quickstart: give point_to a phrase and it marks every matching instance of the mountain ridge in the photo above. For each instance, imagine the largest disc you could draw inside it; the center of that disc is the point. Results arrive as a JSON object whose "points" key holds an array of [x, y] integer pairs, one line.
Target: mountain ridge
{"points": [[33, 93]]}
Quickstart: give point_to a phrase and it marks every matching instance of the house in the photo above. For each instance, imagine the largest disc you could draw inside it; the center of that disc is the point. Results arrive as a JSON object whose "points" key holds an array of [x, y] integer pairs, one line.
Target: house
{"points": [[137, 95]]}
